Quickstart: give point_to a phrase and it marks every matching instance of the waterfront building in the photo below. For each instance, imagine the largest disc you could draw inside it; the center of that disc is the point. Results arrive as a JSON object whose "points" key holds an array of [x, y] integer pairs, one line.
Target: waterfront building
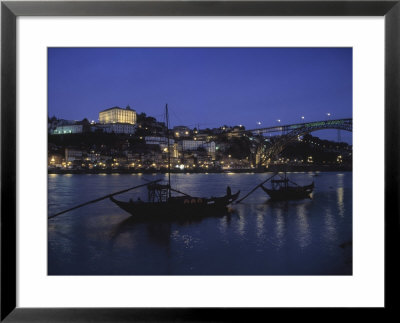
{"points": [[236, 132], [162, 141], [191, 145], [72, 154], [174, 151], [120, 128], [181, 131], [163, 144], [118, 115], [202, 136], [55, 160], [68, 129], [53, 123]]}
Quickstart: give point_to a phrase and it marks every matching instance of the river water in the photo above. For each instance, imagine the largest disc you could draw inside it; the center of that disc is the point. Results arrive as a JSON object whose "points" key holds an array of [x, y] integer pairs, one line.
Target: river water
{"points": [[257, 237]]}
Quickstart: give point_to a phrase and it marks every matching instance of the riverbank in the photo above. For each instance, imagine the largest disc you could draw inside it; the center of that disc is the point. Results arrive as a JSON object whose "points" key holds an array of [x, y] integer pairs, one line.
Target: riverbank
{"points": [[273, 168]]}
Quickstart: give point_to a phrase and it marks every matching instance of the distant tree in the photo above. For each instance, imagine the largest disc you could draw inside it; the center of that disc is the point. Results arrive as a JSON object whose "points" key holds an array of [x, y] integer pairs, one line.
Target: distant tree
{"points": [[53, 118], [141, 117], [85, 122], [240, 148]]}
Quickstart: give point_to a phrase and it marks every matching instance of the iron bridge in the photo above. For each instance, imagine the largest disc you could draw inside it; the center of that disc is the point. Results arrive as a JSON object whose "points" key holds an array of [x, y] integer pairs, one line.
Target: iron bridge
{"points": [[290, 133]]}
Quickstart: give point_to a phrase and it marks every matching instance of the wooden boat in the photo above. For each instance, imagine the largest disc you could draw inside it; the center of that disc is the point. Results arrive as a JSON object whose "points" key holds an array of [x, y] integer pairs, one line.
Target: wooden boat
{"points": [[162, 205], [281, 190]]}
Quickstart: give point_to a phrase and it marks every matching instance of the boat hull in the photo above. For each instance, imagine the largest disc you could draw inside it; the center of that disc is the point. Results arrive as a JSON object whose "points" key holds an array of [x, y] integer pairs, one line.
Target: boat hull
{"points": [[290, 193], [178, 208]]}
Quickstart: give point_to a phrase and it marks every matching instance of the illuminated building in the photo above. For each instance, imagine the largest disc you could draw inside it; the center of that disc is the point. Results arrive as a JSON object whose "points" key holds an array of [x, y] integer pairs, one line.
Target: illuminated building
{"points": [[161, 141], [181, 131], [196, 144], [118, 115], [67, 129], [163, 144], [117, 128], [72, 154]]}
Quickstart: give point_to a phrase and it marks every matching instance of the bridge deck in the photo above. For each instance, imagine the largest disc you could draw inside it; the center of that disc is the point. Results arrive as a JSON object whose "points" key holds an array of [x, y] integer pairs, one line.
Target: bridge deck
{"points": [[314, 124]]}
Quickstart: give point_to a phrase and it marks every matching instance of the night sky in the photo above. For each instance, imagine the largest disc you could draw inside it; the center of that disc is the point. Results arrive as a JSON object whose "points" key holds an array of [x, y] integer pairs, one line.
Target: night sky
{"points": [[208, 87]]}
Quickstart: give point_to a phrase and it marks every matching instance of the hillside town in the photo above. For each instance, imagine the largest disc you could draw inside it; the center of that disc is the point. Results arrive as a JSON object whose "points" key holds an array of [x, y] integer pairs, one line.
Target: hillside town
{"points": [[125, 141]]}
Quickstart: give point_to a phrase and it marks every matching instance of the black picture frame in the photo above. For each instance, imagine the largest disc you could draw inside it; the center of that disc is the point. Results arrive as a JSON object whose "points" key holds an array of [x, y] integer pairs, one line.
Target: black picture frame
{"points": [[10, 10]]}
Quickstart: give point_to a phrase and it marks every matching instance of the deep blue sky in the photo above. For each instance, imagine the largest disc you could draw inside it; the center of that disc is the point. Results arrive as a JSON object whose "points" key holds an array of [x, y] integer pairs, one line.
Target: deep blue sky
{"points": [[205, 86]]}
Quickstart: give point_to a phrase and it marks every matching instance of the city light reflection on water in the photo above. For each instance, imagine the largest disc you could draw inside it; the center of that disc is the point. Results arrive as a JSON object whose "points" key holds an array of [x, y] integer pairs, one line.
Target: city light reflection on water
{"points": [[258, 237]]}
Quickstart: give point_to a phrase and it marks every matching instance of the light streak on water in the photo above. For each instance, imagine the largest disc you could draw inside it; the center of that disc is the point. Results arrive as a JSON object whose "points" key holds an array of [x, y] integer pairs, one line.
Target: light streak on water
{"points": [[258, 238]]}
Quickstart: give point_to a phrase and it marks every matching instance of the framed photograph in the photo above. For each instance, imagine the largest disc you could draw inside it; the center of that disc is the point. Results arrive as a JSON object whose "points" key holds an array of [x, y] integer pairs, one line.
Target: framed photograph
{"points": [[162, 159]]}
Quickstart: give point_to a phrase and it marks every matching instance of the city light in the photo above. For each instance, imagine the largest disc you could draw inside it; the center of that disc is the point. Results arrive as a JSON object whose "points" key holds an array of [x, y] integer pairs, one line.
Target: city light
{"points": [[195, 152], [117, 115]]}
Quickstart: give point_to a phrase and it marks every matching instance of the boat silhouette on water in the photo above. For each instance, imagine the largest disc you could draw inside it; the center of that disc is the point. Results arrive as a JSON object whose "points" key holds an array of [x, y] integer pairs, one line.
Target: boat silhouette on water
{"points": [[162, 205], [281, 190]]}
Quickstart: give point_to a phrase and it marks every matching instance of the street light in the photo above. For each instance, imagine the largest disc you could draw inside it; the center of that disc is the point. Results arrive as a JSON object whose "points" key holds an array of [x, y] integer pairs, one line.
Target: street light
{"points": [[280, 128], [302, 117]]}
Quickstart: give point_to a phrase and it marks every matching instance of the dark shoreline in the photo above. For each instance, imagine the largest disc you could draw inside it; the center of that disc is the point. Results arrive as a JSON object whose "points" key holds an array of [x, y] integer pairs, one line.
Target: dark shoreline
{"points": [[314, 168]]}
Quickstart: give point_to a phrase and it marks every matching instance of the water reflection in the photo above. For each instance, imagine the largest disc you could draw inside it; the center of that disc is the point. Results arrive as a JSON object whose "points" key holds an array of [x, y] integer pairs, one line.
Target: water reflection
{"points": [[280, 227], [340, 204], [257, 237], [260, 226], [159, 231], [240, 221], [304, 234], [125, 240], [241, 225], [223, 228], [330, 226]]}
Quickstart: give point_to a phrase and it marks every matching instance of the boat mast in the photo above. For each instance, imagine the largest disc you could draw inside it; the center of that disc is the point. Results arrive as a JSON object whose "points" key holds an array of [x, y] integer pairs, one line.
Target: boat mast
{"points": [[286, 180], [169, 156]]}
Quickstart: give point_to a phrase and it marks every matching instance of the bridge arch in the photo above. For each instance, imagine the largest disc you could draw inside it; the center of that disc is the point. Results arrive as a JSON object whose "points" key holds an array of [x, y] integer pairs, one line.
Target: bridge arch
{"points": [[295, 131]]}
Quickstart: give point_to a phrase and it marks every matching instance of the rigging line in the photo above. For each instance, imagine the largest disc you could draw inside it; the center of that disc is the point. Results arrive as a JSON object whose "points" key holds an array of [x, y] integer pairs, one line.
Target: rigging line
{"points": [[158, 116], [147, 180], [177, 191], [169, 150], [179, 119], [289, 180], [100, 198], [259, 185]]}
